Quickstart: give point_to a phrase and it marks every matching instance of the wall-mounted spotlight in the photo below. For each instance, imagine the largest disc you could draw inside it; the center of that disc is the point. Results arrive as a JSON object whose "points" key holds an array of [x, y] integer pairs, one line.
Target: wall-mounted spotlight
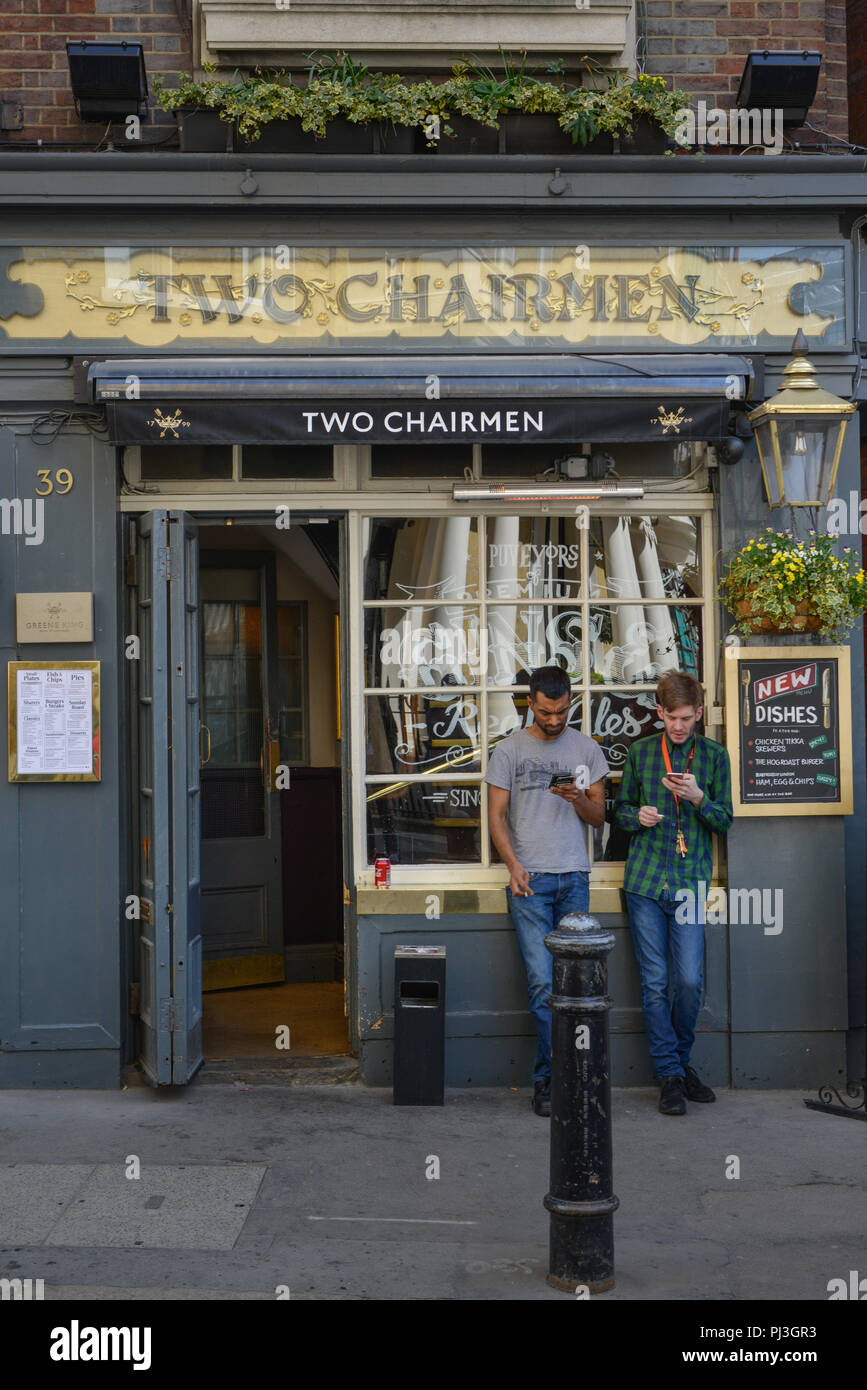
{"points": [[784, 81], [108, 80]]}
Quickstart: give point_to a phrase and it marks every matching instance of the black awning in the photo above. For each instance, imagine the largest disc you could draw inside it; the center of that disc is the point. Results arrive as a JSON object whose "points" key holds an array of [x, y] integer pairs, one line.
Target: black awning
{"points": [[248, 400], [516, 421]]}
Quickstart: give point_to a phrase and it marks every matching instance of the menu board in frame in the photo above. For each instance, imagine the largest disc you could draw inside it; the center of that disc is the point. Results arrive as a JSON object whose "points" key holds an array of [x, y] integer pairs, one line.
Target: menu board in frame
{"points": [[54, 721], [789, 730]]}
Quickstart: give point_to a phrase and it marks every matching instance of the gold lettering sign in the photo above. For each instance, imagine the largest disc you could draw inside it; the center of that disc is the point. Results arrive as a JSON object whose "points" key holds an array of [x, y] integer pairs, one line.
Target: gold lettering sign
{"points": [[453, 297]]}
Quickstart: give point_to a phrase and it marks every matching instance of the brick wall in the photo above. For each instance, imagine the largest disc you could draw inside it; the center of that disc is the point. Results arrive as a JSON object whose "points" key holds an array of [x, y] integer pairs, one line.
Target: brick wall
{"points": [[701, 45], [35, 73], [856, 16]]}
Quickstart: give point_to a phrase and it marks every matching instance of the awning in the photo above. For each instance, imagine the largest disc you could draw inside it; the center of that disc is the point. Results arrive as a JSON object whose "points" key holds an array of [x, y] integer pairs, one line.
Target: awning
{"points": [[255, 400]]}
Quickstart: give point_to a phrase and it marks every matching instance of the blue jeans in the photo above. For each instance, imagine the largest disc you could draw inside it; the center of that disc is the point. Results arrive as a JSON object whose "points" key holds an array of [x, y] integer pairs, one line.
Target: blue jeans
{"points": [[553, 896], [670, 1026]]}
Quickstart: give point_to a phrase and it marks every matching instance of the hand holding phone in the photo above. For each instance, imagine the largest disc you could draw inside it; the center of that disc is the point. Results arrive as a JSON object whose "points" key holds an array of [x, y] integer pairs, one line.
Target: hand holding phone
{"points": [[561, 779]]}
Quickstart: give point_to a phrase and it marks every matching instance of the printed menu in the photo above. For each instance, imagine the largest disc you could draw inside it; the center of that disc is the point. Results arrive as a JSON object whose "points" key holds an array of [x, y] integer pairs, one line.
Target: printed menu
{"points": [[55, 721]]}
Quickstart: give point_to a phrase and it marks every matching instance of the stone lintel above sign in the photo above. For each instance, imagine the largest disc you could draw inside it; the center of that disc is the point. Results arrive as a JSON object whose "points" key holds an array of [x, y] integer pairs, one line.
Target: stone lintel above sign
{"points": [[417, 35], [54, 617], [331, 299]]}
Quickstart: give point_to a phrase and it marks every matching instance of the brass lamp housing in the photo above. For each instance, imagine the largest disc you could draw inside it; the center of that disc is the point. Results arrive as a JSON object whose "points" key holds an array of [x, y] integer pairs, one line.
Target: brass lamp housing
{"points": [[799, 434]]}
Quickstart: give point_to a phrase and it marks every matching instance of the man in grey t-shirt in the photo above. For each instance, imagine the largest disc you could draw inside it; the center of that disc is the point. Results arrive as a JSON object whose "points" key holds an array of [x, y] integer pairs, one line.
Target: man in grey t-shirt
{"points": [[538, 829]]}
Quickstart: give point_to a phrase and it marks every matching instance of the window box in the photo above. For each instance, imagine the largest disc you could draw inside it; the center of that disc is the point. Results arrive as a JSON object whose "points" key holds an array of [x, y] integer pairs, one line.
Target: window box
{"points": [[287, 137], [645, 137], [203, 132], [543, 134]]}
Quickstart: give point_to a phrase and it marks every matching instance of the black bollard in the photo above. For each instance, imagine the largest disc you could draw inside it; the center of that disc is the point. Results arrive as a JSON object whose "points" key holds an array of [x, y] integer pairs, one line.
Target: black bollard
{"points": [[581, 1201]]}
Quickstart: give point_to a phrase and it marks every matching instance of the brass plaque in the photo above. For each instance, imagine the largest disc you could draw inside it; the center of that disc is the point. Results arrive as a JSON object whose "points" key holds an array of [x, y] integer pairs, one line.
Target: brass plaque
{"points": [[54, 617]]}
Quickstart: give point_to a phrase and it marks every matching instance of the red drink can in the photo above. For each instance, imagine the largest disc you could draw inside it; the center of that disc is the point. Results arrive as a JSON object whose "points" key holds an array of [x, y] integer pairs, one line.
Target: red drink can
{"points": [[382, 873]]}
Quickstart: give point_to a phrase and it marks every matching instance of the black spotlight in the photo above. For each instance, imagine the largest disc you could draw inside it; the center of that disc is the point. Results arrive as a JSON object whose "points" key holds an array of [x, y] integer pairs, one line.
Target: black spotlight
{"points": [[108, 80], [783, 81], [730, 450]]}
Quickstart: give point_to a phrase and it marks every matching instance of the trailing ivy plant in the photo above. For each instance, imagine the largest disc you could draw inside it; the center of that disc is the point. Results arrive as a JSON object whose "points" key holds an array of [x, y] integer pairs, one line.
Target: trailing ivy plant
{"points": [[339, 87]]}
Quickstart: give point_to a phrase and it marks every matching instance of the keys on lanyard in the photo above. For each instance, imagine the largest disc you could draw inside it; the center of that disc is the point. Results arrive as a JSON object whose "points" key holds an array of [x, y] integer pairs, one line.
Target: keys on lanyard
{"points": [[680, 840]]}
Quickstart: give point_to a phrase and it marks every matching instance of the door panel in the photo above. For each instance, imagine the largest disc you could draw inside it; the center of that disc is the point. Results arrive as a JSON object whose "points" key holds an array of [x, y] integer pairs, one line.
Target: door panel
{"points": [[186, 800], [154, 890], [241, 845]]}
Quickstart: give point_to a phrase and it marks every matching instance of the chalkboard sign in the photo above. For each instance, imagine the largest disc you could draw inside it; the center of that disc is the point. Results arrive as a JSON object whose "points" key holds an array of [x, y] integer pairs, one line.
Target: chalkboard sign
{"points": [[788, 730]]}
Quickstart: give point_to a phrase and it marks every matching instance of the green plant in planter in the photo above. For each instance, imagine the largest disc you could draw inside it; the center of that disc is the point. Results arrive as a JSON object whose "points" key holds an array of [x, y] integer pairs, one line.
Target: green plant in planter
{"points": [[207, 94], [776, 578]]}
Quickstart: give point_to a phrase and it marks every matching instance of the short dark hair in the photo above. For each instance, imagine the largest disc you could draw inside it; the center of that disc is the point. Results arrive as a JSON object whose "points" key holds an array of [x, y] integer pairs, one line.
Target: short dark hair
{"points": [[551, 681], [676, 689]]}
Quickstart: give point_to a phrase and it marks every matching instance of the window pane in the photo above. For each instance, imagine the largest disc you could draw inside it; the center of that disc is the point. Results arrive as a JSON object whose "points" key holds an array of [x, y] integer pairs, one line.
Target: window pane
{"points": [[186, 461], [522, 460], [420, 460], [529, 635], [421, 733], [424, 823], [644, 557], [631, 644], [533, 557], [423, 558], [423, 646], [287, 461]]}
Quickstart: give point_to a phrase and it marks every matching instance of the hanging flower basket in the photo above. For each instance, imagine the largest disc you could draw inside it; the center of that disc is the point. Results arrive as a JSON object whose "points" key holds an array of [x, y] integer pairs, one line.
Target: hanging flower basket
{"points": [[778, 583], [805, 620]]}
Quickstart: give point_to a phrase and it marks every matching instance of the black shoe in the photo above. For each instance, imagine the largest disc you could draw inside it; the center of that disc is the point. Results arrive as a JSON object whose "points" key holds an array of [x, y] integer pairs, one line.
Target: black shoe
{"points": [[695, 1087], [541, 1101], [671, 1098]]}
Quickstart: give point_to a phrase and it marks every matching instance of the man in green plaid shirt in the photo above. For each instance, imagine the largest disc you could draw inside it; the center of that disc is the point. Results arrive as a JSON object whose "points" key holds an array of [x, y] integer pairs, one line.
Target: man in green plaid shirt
{"points": [[675, 793]]}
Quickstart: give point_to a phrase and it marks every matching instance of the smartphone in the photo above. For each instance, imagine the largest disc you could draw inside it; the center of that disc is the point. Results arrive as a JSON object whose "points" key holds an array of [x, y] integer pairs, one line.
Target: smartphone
{"points": [[561, 779]]}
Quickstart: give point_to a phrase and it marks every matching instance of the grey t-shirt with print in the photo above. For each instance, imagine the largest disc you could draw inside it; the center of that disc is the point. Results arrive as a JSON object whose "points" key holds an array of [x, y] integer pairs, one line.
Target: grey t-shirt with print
{"points": [[548, 835]]}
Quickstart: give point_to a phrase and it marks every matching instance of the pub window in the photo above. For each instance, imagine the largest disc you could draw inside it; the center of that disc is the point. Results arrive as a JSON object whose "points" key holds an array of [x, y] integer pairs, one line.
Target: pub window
{"points": [[459, 609], [522, 460], [287, 461], [420, 460], [292, 670], [164, 461]]}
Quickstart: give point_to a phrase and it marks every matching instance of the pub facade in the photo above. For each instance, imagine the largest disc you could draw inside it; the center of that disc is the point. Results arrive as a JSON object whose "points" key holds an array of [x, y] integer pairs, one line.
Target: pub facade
{"points": [[305, 465]]}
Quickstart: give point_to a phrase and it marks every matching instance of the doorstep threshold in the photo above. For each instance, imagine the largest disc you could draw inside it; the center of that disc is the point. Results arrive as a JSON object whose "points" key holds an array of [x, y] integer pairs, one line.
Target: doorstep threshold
{"points": [[264, 1071]]}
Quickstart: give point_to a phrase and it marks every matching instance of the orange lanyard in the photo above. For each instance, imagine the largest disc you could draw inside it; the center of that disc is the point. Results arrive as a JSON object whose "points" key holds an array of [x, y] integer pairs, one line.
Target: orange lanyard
{"points": [[680, 842]]}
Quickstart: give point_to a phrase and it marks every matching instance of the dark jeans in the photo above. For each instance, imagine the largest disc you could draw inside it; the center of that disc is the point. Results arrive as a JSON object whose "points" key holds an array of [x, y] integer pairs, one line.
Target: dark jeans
{"points": [[553, 896], [670, 1026]]}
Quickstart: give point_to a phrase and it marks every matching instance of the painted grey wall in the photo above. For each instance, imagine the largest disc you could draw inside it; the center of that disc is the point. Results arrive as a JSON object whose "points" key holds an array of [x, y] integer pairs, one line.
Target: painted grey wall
{"points": [[60, 981], [793, 995], [490, 1035]]}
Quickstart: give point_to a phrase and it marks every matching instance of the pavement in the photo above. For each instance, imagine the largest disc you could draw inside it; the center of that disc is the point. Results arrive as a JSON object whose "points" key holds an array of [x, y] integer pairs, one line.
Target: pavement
{"points": [[248, 1189]]}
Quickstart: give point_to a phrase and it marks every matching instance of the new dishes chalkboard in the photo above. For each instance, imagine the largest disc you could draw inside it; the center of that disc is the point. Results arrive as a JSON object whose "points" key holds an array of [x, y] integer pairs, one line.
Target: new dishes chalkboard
{"points": [[788, 730]]}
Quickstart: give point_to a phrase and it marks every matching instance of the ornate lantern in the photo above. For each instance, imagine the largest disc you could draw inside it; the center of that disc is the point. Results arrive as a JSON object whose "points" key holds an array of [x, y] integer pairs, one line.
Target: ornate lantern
{"points": [[799, 433]]}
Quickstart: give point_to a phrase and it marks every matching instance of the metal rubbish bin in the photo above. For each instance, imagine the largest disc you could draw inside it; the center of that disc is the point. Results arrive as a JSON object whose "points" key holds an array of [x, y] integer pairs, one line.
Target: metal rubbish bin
{"points": [[419, 1024]]}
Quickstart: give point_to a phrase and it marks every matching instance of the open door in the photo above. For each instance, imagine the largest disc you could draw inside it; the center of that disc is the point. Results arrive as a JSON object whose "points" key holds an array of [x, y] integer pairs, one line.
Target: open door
{"points": [[170, 942], [242, 891]]}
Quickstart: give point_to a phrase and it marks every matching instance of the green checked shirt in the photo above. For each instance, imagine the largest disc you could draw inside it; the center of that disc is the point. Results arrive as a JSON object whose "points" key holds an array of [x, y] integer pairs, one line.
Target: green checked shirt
{"points": [[653, 863]]}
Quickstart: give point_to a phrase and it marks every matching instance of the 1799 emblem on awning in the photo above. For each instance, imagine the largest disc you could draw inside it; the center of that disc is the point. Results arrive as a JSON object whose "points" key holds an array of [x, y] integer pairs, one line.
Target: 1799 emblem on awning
{"points": [[671, 419], [164, 423]]}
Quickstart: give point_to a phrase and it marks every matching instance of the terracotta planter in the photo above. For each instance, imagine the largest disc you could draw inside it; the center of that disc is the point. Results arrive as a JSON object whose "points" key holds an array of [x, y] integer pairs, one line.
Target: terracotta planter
{"points": [[287, 137], [202, 132], [806, 620]]}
